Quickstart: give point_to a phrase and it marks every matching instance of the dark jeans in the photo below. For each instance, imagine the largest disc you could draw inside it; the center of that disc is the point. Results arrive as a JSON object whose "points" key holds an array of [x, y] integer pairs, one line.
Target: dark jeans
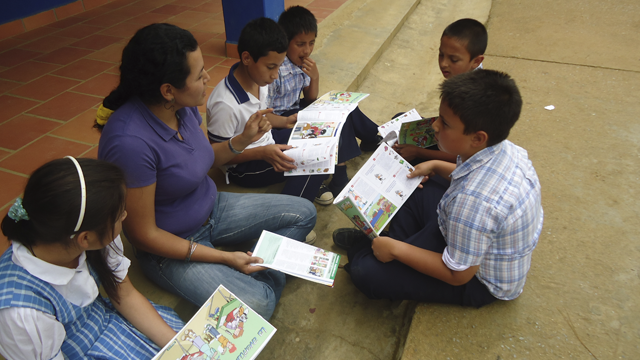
{"points": [[415, 223], [259, 173]]}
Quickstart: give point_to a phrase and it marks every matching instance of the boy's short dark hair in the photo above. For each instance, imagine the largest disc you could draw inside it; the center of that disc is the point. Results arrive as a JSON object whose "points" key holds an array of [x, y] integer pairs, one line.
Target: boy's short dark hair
{"points": [[470, 31], [298, 20], [485, 100], [260, 36]]}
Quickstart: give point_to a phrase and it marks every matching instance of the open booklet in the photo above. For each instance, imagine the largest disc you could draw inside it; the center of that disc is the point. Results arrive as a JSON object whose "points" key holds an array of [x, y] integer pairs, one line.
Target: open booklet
{"points": [[371, 199], [223, 328], [316, 134], [409, 128], [298, 259]]}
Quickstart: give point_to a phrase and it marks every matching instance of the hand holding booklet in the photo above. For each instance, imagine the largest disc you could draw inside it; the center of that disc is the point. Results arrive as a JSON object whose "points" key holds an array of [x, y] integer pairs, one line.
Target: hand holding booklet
{"points": [[374, 195], [316, 134], [223, 328], [298, 259]]}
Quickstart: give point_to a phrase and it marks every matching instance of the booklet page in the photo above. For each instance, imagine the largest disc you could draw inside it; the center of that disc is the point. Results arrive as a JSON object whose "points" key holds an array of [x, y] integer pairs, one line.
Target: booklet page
{"points": [[297, 258], [380, 187]]}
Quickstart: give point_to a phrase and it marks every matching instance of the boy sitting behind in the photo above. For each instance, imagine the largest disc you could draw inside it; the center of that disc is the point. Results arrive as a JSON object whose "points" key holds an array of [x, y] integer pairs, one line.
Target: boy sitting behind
{"points": [[469, 244], [262, 46], [299, 74], [462, 48]]}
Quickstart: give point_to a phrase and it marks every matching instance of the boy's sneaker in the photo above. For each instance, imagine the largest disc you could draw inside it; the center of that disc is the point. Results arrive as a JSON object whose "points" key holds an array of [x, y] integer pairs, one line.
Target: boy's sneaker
{"points": [[311, 238], [346, 238], [325, 196], [367, 146]]}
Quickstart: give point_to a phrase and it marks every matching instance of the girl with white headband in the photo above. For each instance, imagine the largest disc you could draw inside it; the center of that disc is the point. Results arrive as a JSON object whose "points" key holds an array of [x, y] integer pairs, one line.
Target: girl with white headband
{"points": [[65, 244]]}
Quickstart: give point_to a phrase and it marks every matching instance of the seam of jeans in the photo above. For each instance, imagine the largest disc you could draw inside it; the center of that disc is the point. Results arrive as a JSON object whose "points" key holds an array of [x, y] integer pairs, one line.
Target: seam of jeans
{"points": [[280, 215]]}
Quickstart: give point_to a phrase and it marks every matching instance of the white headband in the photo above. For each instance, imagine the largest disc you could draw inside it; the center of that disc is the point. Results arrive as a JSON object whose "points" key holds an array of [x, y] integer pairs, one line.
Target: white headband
{"points": [[83, 187]]}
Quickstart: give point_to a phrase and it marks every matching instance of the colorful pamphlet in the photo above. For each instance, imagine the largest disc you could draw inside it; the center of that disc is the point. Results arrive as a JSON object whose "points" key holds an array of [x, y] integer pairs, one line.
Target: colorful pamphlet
{"points": [[391, 129], [409, 128], [374, 195], [223, 328], [418, 133], [316, 135], [296, 258]]}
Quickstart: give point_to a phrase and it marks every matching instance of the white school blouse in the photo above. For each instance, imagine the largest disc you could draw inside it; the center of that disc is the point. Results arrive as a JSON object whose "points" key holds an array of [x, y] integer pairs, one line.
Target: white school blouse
{"points": [[31, 334]]}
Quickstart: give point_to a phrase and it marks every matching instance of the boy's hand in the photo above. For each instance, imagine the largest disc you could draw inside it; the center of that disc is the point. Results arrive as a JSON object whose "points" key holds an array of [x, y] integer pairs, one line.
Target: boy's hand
{"points": [[291, 121], [383, 247], [242, 262], [273, 155], [309, 67], [256, 126], [425, 169], [408, 152]]}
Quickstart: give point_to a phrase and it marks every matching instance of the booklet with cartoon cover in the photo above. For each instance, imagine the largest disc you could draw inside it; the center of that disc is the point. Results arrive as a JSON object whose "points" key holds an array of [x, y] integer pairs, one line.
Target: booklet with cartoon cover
{"points": [[418, 133], [408, 128], [371, 199], [298, 259], [223, 328], [316, 134]]}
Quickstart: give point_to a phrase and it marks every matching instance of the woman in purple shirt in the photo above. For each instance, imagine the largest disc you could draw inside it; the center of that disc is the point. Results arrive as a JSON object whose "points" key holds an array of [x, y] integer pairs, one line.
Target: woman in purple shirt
{"points": [[176, 215]]}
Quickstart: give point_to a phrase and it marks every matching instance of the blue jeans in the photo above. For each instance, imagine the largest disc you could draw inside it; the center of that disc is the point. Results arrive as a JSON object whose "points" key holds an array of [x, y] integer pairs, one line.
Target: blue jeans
{"points": [[235, 218]]}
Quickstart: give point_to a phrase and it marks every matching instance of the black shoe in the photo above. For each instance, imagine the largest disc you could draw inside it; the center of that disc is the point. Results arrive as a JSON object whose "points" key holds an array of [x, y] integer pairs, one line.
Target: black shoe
{"points": [[367, 146], [346, 238]]}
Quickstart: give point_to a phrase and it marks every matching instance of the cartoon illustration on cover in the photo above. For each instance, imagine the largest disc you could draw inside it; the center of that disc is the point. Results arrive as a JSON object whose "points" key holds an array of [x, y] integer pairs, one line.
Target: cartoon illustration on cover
{"points": [[313, 130], [379, 212], [400, 194], [224, 328], [418, 133]]}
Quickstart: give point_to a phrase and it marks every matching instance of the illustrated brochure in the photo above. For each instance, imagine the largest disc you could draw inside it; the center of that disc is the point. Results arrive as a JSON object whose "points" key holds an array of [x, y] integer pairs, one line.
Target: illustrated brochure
{"points": [[316, 134], [223, 328], [374, 195], [296, 258]]}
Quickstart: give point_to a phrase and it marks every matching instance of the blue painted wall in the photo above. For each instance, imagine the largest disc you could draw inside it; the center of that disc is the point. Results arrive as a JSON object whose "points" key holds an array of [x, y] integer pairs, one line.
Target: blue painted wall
{"points": [[238, 13], [18, 9]]}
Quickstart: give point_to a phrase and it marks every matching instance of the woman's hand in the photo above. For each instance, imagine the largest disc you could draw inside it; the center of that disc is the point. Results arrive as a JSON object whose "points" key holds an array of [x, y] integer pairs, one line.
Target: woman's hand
{"points": [[273, 155], [256, 126], [242, 262]]}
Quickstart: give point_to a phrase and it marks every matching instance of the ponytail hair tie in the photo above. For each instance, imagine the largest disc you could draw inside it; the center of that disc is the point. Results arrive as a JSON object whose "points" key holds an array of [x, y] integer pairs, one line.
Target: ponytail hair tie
{"points": [[103, 115], [17, 212]]}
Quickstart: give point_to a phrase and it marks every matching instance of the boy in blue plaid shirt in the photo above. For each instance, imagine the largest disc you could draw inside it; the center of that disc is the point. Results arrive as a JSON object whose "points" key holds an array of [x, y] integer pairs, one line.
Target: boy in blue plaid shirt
{"points": [[299, 74], [470, 243]]}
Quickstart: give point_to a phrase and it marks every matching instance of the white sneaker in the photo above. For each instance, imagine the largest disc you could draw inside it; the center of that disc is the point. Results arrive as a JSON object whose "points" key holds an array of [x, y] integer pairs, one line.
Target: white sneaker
{"points": [[325, 196], [311, 238]]}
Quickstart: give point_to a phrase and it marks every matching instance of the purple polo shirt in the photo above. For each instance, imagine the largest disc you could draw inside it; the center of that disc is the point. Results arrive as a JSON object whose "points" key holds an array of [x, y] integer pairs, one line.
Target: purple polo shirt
{"points": [[148, 151]]}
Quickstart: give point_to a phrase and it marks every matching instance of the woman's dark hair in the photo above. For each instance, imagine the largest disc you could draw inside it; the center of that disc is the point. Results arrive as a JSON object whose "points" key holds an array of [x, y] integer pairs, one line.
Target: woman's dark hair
{"points": [[155, 55], [52, 200]]}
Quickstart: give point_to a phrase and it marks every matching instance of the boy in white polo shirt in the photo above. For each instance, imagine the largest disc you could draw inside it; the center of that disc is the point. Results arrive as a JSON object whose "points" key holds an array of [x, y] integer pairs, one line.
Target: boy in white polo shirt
{"points": [[262, 47]]}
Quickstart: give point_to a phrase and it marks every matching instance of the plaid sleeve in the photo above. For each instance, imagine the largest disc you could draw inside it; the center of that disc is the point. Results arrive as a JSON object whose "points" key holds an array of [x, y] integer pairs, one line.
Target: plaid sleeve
{"points": [[471, 226]]}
